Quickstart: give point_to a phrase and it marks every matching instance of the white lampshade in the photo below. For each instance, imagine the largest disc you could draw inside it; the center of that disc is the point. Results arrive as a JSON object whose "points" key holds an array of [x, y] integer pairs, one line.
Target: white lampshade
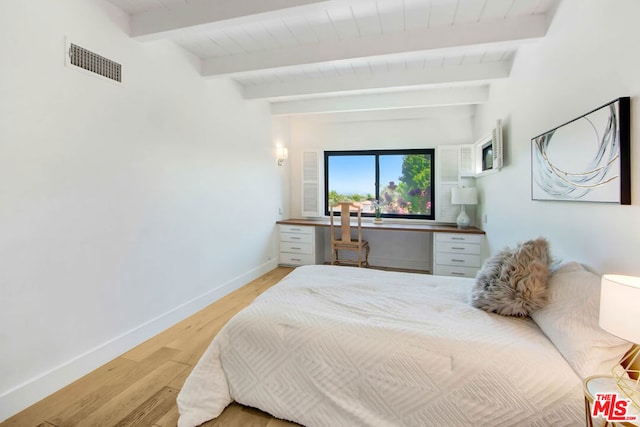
{"points": [[620, 306], [464, 196]]}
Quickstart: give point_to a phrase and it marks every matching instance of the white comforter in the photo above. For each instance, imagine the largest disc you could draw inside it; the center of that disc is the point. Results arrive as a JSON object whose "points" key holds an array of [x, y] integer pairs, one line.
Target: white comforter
{"points": [[342, 346]]}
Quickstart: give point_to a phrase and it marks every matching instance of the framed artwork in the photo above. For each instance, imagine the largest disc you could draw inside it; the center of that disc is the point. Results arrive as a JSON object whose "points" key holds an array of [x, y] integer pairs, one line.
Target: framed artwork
{"points": [[586, 159]]}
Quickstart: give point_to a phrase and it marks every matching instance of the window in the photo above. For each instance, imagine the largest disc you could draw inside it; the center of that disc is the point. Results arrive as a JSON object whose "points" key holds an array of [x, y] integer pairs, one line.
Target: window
{"points": [[401, 181]]}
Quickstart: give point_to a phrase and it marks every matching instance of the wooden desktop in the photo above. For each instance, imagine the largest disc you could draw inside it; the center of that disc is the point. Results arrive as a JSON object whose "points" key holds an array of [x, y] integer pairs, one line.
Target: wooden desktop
{"points": [[413, 226]]}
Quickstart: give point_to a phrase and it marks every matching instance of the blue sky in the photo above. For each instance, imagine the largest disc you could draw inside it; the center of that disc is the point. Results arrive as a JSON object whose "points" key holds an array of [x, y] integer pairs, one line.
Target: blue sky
{"points": [[356, 174]]}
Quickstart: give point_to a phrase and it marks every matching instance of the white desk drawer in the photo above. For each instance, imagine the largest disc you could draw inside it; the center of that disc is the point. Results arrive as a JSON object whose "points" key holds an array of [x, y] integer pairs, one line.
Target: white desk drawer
{"points": [[459, 238], [296, 259], [298, 229], [296, 248], [296, 238], [452, 270], [463, 260], [300, 245], [459, 248]]}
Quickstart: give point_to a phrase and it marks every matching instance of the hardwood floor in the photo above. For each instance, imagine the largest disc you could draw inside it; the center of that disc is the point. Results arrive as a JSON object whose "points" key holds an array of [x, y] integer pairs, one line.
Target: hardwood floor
{"points": [[140, 387]]}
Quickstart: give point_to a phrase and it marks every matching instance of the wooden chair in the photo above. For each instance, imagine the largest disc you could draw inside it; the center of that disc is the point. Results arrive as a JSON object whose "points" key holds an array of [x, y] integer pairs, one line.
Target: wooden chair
{"points": [[343, 240]]}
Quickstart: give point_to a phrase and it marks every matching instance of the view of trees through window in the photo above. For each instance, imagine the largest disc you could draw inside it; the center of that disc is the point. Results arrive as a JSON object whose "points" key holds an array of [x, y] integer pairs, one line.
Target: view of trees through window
{"points": [[399, 182]]}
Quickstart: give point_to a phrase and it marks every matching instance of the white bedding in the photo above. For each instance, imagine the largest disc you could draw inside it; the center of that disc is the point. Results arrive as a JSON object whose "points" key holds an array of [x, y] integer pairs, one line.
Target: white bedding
{"points": [[343, 346]]}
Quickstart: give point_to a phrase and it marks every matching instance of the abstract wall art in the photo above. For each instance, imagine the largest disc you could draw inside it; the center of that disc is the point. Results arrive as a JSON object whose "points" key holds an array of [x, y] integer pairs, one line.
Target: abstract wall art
{"points": [[586, 159]]}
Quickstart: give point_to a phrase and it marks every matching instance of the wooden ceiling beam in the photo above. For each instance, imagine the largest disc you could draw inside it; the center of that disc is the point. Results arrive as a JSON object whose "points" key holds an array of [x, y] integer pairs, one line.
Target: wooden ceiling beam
{"points": [[456, 74], [437, 97], [206, 15], [512, 31]]}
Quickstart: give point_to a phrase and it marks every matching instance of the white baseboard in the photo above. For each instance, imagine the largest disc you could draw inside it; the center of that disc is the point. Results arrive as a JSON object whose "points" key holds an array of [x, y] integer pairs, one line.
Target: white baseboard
{"points": [[35, 389]]}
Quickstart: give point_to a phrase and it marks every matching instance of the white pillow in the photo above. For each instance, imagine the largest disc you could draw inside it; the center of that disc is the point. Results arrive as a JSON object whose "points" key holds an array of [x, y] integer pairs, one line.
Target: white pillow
{"points": [[570, 321]]}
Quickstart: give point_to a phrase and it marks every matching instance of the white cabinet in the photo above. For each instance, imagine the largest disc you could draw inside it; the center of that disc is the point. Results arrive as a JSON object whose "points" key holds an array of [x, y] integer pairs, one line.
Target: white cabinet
{"points": [[457, 254], [300, 245], [454, 163], [311, 184], [448, 173]]}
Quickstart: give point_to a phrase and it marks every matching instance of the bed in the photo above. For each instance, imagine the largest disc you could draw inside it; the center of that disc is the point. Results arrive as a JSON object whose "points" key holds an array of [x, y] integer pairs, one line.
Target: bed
{"points": [[343, 346]]}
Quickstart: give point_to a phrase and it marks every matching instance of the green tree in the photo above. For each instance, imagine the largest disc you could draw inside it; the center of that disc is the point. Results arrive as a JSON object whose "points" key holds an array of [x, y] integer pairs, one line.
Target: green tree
{"points": [[334, 198], [416, 171], [415, 183]]}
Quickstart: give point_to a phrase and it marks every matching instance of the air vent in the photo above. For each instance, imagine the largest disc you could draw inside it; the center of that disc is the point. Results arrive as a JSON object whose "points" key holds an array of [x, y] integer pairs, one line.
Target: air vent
{"points": [[90, 61]]}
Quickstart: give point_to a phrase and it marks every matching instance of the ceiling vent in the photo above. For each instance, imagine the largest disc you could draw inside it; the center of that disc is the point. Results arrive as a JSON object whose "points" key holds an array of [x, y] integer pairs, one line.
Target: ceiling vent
{"points": [[94, 63]]}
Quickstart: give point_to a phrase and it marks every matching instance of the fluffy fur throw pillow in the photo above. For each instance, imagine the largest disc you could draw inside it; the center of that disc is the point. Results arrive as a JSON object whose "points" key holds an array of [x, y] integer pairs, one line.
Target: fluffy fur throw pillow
{"points": [[514, 281]]}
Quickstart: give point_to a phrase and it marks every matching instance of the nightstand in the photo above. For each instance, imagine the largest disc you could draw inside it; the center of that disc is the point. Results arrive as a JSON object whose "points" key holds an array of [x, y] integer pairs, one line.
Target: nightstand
{"points": [[607, 385]]}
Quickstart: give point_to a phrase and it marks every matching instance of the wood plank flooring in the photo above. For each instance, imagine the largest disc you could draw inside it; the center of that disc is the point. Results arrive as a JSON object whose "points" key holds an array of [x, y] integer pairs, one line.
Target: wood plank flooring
{"points": [[140, 387]]}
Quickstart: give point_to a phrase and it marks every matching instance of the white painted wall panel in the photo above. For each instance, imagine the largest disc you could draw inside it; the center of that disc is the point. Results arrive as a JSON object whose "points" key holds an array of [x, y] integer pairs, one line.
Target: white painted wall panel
{"points": [[585, 61], [373, 130], [115, 199]]}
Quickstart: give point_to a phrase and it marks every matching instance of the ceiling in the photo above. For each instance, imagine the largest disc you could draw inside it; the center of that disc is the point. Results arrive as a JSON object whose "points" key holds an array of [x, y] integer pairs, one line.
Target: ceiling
{"points": [[313, 56]]}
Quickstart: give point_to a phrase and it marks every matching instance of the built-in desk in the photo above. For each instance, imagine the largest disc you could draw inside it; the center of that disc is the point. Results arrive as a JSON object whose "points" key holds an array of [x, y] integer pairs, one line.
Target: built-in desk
{"points": [[368, 224], [455, 251]]}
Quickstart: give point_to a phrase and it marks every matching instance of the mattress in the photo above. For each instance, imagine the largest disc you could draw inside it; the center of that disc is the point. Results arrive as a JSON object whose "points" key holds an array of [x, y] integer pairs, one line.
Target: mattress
{"points": [[343, 346]]}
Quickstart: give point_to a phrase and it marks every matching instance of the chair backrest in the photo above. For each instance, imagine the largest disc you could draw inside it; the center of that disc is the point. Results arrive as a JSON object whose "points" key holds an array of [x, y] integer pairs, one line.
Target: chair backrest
{"points": [[345, 221]]}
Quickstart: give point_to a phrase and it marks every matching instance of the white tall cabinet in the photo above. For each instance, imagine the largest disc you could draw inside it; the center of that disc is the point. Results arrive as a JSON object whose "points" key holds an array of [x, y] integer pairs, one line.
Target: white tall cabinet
{"points": [[447, 168], [454, 168], [455, 254]]}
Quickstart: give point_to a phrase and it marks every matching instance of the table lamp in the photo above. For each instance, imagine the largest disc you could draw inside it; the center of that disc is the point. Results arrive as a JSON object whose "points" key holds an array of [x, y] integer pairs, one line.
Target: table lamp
{"points": [[463, 196], [620, 316]]}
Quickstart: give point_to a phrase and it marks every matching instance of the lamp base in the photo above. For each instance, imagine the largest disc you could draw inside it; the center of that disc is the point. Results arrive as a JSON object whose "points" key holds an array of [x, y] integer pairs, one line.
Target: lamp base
{"points": [[463, 219], [627, 375]]}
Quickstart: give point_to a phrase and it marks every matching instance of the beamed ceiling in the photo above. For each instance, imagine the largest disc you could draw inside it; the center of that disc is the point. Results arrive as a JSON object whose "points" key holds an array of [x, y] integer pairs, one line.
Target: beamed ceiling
{"points": [[313, 56]]}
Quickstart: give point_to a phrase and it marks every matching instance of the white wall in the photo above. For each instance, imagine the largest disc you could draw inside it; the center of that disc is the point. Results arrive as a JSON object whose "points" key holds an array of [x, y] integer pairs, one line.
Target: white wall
{"points": [[375, 130], [281, 134], [123, 208], [411, 128], [588, 59]]}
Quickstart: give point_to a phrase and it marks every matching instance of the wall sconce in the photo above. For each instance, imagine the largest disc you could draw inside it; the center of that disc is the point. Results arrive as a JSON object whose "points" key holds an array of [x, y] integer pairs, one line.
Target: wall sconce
{"points": [[282, 154]]}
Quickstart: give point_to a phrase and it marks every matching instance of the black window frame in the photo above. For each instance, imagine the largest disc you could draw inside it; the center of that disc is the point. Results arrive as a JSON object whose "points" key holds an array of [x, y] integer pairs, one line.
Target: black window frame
{"points": [[377, 154]]}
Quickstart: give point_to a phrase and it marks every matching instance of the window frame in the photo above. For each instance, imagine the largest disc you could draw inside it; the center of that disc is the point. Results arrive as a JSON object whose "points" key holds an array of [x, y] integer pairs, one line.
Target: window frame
{"points": [[377, 153]]}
